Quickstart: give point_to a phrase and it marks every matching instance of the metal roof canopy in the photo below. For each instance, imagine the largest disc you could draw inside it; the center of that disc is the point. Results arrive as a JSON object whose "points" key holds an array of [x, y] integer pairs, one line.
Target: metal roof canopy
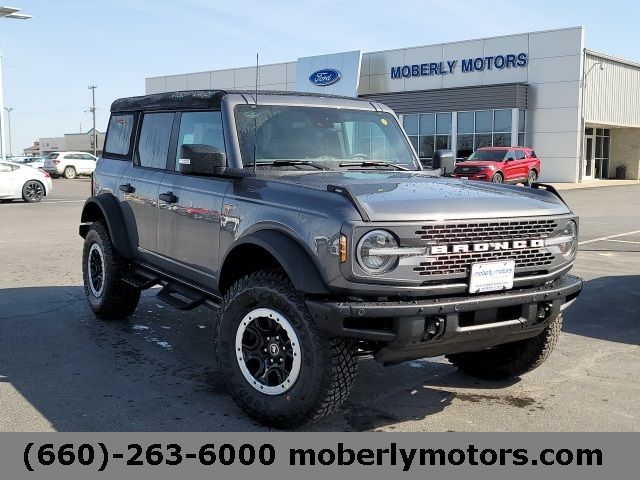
{"points": [[12, 12]]}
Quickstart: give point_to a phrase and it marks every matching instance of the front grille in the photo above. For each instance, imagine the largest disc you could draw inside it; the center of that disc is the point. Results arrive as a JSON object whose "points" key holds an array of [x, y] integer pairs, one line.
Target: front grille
{"points": [[460, 263], [467, 170], [476, 232], [471, 232]]}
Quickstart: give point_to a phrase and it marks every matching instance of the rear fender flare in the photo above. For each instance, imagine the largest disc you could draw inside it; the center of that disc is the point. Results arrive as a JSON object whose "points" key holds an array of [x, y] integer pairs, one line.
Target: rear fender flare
{"points": [[105, 208]]}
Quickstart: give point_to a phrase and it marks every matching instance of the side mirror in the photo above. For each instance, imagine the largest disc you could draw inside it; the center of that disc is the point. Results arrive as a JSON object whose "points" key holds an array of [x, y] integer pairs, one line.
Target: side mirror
{"points": [[198, 159], [509, 159]]}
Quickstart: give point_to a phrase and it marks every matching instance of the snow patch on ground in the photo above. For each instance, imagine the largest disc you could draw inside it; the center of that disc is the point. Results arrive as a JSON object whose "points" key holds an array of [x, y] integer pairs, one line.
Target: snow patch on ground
{"points": [[160, 343]]}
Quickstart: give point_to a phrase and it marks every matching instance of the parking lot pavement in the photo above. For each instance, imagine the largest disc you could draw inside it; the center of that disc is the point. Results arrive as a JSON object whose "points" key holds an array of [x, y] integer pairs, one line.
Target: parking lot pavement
{"points": [[61, 369]]}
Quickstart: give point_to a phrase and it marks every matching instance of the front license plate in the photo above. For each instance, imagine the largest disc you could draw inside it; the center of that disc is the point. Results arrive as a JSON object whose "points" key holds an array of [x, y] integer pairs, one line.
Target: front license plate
{"points": [[464, 178], [492, 276]]}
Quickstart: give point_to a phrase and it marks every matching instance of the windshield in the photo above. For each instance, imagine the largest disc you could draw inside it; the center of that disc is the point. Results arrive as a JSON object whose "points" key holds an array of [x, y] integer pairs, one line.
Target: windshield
{"points": [[326, 137], [488, 155]]}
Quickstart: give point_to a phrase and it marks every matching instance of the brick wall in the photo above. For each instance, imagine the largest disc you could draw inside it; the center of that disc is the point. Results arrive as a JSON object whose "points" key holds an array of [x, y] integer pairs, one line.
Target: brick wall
{"points": [[625, 150]]}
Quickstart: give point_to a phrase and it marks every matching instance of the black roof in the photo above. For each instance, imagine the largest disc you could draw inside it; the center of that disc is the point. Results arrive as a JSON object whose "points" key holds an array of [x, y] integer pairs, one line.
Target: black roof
{"points": [[197, 99]]}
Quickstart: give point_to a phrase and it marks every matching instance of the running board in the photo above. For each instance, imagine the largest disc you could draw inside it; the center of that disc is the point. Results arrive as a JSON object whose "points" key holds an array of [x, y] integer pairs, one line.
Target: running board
{"points": [[180, 297], [141, 279]]}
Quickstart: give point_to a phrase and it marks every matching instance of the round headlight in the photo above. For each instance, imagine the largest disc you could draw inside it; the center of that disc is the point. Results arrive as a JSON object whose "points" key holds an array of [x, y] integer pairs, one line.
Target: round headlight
{"points": [[369, 256], [566, 240]]}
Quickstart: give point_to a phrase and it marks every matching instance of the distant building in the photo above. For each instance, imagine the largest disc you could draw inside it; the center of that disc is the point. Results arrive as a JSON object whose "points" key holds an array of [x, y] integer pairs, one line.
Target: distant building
{"points": [[33, 150], [77, 142], [83, 142], [51, 144]]}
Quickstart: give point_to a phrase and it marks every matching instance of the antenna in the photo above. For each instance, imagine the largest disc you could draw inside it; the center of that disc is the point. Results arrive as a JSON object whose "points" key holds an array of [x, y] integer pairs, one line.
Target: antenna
{"points": [[255, 119]]}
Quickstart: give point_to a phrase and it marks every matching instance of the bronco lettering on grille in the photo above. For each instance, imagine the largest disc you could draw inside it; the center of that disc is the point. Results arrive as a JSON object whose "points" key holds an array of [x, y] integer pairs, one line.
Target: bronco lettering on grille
{"points": [[485, 246]]}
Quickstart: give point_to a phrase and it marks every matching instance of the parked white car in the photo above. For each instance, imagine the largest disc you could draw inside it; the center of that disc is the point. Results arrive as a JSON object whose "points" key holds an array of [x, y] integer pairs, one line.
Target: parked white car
{"points": [[69, 164], [35, 162], [19, 181]]}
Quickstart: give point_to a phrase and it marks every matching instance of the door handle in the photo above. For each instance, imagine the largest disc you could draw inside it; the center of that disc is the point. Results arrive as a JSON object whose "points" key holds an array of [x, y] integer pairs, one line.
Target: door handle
{"points": [[127, 188], [168, 197]]}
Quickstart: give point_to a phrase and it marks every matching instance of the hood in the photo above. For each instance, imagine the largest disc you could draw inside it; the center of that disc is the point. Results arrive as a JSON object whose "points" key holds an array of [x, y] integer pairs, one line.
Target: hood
{"points": [[408, 196]]}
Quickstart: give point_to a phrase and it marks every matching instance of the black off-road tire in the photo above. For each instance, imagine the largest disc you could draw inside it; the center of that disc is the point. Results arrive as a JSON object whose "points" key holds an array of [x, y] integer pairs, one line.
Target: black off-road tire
{"points": [[117, 299], [328, 365], [511, 359]]}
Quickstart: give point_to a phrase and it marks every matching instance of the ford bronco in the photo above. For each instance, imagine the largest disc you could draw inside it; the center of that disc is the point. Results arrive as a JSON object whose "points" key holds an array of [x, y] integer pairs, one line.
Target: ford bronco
{"points": [[309, 226]]}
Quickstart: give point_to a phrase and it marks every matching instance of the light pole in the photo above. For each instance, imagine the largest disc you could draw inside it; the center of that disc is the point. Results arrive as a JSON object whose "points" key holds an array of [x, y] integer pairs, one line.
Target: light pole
{"points": [[583, 122], [6, 12], [93, 111], [9, 109]]}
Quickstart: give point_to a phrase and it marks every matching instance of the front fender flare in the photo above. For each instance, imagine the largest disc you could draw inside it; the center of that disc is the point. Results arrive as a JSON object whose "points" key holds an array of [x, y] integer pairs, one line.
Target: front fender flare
{"points": [[295, 261]]}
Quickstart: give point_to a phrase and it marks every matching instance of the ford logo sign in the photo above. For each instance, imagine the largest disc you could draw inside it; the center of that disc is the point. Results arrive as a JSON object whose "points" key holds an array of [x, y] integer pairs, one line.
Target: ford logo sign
{"points": [[327, 76]]}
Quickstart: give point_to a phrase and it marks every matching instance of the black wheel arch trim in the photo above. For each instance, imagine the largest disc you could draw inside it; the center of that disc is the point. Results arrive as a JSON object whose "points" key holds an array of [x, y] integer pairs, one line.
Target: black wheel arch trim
{"points": [[107, 205], [295, 261]]}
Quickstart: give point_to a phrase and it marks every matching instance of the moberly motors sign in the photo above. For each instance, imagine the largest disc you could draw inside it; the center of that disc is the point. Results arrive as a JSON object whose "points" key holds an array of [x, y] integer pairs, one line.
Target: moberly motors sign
{"points": [[448, 67]]}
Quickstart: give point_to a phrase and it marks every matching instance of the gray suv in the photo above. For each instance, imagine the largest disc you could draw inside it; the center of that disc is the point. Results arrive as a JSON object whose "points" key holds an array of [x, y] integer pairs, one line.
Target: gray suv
{"points": [[308, 225]]}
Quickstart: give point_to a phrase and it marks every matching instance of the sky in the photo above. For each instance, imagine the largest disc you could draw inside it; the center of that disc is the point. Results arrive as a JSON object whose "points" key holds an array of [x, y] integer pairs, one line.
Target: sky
{"points": [[51, 59]]}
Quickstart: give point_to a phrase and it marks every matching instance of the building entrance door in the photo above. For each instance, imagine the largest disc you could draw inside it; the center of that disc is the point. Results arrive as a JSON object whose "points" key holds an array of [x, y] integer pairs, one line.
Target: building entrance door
{"points": [[589, 155]]}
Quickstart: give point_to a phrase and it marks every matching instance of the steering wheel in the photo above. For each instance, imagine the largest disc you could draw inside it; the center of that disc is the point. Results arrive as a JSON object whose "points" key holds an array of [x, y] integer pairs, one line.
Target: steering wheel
{"points": [[362, 156]]}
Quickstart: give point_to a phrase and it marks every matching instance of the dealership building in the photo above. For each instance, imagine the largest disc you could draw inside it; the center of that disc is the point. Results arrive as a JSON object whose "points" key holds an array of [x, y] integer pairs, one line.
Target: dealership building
{"points": [[578, 109]]}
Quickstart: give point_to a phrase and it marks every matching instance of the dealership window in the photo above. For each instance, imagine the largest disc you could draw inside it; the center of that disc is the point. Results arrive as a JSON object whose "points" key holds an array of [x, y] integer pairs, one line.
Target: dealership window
{"points": [[522, 120], [428, 132], [603, 140], [482, 128]]}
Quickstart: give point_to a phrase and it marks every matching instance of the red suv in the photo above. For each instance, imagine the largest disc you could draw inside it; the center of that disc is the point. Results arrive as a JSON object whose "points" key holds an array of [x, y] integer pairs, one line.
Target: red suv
{"points": [[500, 164]]}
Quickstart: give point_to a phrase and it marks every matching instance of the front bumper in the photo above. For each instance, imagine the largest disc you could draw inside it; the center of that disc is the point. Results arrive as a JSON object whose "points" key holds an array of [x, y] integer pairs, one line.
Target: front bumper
{"points": [[431, 327], [483, 176]]}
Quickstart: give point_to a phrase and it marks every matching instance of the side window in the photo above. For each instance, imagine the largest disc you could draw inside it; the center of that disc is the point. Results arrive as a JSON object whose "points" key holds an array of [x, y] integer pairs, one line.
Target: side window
{"points": [[533, 154], [119, 134], [87, 157], [200, 128], [155, 136], [520, 155], [511, 155]]}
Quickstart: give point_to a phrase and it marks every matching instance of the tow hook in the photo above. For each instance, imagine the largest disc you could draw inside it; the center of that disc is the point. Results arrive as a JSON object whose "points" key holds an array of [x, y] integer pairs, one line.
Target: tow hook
{"points": [[544, 311]]}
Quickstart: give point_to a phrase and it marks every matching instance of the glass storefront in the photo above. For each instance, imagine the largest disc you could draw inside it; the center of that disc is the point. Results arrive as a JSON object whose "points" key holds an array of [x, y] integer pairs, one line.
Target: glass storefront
{"points": [[596, 152], [428, 132], [473, 129]]}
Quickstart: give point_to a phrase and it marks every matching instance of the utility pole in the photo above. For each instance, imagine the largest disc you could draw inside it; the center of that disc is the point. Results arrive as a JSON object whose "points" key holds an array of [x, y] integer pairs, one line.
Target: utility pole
{"points": [[6, 12], [93, 111], [9, 109]]}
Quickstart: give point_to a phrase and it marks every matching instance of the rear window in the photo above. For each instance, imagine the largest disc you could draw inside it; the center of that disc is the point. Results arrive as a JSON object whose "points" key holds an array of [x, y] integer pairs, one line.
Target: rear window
{"points": [[52, 156], [119, 134]]}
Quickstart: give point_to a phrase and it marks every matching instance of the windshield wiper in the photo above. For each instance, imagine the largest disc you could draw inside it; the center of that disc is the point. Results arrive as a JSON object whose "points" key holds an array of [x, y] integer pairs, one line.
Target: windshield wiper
{"points": [[284, 163], [373, 164]]}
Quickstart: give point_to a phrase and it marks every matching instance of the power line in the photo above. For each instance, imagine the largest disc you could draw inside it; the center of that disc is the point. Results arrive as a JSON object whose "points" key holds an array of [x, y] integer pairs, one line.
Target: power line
{"points": [[51, 112]]}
